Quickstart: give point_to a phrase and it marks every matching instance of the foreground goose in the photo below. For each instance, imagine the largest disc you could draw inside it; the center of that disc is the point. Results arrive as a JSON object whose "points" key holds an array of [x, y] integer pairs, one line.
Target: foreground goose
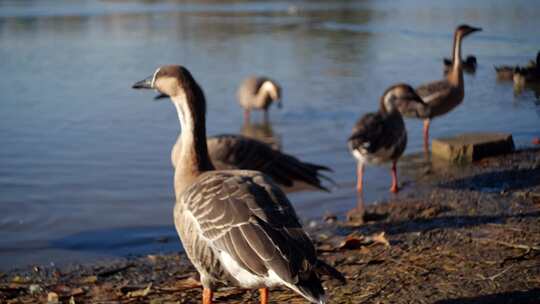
{"points": [[469, 65], [237, 227], [238, 152], [381, 137], [258, 93], [444, 95]]}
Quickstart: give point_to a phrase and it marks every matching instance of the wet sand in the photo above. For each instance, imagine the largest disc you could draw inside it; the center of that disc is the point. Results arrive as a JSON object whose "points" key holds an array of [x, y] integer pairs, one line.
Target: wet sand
{"points": [[457, 236]]}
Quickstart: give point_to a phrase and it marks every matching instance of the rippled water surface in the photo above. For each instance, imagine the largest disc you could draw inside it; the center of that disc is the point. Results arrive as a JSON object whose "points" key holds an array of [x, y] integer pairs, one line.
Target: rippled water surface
{"points": [[84, 159]]}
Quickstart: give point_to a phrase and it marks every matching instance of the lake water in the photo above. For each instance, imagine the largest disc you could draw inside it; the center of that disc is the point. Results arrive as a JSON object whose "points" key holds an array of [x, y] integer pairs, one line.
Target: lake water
{"points": [[84, 159]]}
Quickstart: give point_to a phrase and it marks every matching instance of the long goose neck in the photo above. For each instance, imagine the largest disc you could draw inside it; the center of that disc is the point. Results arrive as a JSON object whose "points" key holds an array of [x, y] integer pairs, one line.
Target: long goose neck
{"points": [[193, 157], [456, 74], [263, 94]]}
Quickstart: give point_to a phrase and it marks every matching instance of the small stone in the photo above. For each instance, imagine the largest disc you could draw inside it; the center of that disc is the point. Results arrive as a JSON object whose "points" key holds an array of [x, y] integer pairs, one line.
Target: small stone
{"points": [[34, 289], [52, 298]]}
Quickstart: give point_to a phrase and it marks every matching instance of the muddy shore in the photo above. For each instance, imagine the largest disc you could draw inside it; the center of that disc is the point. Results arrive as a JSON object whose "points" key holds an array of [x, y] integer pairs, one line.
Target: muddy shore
{"points": [[468, 235]]}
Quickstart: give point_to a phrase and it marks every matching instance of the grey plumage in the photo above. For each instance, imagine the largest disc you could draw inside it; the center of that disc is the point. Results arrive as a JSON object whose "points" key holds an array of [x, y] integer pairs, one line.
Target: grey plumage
{"points": [[238, 227], [241, 213], [379, 137], [229, 151], [258, 92]]}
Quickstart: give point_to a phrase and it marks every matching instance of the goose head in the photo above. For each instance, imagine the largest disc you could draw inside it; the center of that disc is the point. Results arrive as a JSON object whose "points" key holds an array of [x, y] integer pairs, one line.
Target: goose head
{"points": [[168, 80], [403, 98], [464, 30], [177, 82]]}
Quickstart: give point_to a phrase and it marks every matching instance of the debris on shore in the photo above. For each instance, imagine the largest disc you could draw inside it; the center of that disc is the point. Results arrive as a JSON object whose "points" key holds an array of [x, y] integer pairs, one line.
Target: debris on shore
{"points": [[469, 236]]}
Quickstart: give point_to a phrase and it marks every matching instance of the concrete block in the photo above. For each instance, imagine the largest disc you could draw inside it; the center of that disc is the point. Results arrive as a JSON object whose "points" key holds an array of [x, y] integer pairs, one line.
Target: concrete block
{"points": [[472, 146]]}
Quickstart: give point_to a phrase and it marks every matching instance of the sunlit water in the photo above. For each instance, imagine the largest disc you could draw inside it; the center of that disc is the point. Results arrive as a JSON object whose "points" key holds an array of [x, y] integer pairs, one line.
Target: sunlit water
{"points": [[84, 159]]}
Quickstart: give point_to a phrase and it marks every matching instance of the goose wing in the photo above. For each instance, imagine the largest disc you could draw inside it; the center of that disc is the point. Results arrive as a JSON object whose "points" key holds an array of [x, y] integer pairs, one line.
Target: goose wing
{"points": [[379, 135], [434, 91], [243, 214], [239, 152], [368, 133]]}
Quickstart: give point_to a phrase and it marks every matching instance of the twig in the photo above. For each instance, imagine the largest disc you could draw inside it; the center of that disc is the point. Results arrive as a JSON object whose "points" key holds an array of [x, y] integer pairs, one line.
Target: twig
{"points": [[110, 272], [518, 246], [493, 277]]}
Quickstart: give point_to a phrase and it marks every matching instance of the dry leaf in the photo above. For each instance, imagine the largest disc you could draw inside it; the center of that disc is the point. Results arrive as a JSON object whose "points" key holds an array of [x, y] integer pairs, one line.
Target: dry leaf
{"points": [[187, 283], [140, 292], [355, 241], [378, 238], [89, 280]]}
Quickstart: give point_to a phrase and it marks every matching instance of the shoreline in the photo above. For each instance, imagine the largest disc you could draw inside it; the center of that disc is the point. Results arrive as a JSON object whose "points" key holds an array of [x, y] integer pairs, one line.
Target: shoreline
{"points": [[470, 235]]}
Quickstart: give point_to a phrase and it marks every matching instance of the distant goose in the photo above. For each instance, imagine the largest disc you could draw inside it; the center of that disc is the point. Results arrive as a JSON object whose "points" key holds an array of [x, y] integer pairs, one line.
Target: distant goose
{"points": [[507, 72], [258, 93], [381, 136], [443, 96], [529, 75], [238, 152], [469, 65], [504, 73], [237, 227]]}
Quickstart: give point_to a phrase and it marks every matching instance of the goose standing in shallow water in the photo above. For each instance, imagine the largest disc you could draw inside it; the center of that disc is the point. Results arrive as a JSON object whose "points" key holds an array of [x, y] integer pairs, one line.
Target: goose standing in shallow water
{"points": [[443, 96], [258, 93], [381, 137], [229, 151], [237, 227]]}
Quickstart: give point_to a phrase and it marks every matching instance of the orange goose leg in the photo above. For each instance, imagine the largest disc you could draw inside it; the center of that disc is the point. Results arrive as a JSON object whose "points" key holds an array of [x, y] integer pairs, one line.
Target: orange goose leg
{"points": [[264, 295], [394, 188], [246, 115], [207, 296], [426, 135], [360, 176]]}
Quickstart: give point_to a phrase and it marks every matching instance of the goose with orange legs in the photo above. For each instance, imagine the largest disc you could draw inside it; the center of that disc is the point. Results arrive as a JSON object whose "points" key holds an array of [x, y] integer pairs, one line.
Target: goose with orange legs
{"points": [[444, 95], [237, 227], [381, 137]]}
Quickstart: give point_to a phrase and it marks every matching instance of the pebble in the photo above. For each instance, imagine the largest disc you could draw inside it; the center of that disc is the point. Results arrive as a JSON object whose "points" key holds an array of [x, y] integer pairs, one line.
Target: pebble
{"points": [[34, 289]]}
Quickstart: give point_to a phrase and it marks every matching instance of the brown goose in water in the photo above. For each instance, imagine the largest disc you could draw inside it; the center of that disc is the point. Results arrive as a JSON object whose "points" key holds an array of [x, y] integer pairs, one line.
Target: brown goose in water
{"points": [[237, 227], [238, 152], [258, 93], [506, 72], [529, 75], [444, 95], [381, 136]]}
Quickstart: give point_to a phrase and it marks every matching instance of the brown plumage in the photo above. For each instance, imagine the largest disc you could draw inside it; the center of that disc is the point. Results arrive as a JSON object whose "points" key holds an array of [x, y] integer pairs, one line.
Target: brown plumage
{"points": [[444, 95], [258, 93], [237, 227], [229, 151], [381, 136]]}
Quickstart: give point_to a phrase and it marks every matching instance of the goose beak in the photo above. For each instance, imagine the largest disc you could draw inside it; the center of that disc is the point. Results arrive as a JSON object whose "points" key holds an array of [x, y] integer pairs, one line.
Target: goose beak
{"points": [[475, 29], [143, 84]]}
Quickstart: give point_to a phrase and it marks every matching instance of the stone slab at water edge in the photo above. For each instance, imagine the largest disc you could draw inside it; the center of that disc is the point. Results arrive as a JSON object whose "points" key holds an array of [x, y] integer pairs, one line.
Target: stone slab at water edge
{"points": [[469, 147]]}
